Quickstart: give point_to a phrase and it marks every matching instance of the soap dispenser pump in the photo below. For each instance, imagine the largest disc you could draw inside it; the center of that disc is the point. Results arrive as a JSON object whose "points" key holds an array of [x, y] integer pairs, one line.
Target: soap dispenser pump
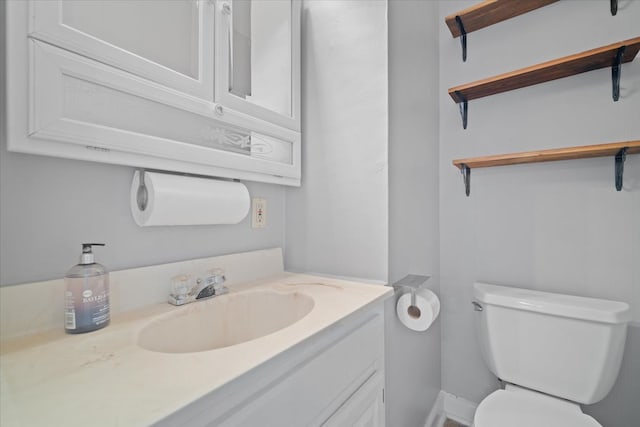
{"points": [[87, 294]]}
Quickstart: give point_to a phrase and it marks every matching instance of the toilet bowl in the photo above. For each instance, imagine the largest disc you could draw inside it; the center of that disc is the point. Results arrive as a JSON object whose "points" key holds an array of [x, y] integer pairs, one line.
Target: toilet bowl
{"points": [[553, 351], [516, 406]]}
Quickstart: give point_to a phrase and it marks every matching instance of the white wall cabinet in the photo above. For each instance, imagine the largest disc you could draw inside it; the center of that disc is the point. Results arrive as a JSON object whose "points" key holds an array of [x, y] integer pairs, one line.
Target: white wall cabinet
{"points": [[134, 83], [335, 379]]}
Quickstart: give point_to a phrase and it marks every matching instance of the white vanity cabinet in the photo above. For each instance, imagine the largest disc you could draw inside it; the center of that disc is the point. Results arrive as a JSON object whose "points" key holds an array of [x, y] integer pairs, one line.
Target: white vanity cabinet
{"points": [[333, 379], [134, 83]]}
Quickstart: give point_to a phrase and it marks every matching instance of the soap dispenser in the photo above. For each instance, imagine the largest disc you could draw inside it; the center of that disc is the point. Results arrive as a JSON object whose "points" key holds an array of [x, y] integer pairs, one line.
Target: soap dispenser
{"points": [[87, 294]]}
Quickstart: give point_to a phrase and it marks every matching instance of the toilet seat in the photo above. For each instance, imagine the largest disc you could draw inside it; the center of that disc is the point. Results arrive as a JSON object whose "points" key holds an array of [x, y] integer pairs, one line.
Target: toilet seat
{"points": [[516, 406]]}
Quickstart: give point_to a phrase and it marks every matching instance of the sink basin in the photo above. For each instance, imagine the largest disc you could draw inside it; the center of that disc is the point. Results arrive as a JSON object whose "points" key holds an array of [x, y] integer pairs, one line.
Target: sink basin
{"points": [[224, 321]]}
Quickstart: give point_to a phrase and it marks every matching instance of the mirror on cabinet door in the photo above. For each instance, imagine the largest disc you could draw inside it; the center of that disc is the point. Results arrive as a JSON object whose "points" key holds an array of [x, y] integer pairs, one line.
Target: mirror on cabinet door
{"points": [[169, 42], [260, 55], [258, 49]]}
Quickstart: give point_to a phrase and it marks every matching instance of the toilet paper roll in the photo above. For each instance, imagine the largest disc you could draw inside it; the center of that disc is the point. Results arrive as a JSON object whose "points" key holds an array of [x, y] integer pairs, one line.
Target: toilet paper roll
{"points": [[420, 316], [182, 200]]}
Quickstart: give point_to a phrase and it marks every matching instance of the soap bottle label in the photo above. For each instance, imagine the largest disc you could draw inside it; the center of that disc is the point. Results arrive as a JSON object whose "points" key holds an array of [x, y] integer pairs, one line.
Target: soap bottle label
{"points": [[86, 307]]}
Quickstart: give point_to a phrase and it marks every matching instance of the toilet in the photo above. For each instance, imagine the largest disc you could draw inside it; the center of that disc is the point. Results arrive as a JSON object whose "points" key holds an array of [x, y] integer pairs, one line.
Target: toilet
{"points": [[552, 351]]}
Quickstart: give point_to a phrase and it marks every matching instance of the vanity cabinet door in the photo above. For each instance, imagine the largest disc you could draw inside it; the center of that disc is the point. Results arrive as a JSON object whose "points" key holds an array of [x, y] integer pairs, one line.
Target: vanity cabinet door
{"points": [[169, 42], [339, 385], [258, 52], [364, 409]]}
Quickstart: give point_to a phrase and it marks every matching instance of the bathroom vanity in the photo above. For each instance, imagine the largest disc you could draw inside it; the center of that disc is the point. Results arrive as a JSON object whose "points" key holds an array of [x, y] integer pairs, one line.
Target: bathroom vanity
{"points": [[286, 350]]}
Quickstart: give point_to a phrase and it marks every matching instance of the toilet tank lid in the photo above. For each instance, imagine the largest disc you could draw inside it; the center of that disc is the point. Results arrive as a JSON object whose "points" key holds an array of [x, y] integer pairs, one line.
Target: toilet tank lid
{"points": [[575, 307]]}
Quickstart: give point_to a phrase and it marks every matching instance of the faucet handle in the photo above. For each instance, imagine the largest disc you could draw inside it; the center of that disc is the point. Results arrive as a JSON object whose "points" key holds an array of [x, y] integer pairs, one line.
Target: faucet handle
{"points": [[181, 287], [215, 277], [215, 281]]}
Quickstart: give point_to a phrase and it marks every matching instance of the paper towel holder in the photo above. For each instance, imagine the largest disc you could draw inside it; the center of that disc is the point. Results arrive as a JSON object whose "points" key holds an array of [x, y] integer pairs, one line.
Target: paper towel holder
{"points": [[142, 195], [411, 283]]}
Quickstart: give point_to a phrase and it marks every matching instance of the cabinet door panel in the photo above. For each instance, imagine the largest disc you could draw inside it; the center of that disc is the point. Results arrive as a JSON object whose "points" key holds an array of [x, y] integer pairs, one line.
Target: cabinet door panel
{"points": [[315, 388], [364, 409], [78, 101], [169, 42], [258, 47]]}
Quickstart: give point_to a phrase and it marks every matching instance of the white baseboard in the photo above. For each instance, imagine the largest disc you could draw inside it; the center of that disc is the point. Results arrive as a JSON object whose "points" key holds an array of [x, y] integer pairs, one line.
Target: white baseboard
{"points": [[437, 411], [459, 409], [453, 407]]}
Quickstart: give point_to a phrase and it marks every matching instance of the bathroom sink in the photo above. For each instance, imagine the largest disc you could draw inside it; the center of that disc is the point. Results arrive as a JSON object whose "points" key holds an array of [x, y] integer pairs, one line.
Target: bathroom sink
{"points": [[224, 321]]}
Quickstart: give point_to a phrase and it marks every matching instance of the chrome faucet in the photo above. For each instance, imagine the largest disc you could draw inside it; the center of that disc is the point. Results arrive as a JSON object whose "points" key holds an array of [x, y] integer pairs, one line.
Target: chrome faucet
{"points": [[183, 291]]}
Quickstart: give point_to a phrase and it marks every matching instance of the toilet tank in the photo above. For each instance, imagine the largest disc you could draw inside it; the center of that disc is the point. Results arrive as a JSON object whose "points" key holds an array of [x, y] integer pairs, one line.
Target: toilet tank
{"points": [[562, 345]]}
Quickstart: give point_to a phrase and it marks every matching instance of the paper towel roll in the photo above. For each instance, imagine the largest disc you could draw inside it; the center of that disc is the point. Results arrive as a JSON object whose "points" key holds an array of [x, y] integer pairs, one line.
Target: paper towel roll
{"points": [[182, 200], [420, 316]]}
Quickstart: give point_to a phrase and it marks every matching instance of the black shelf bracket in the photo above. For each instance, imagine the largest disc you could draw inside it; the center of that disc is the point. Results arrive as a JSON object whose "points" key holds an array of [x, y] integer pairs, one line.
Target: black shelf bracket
{"points": [[464, 109], [463, 38], [615, 73], [621, 156], [466, 177], [614, 7]]}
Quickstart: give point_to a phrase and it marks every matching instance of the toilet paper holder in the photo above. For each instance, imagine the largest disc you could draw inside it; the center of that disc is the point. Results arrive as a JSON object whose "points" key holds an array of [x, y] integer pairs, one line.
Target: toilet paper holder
{"points": [[411, 283]]}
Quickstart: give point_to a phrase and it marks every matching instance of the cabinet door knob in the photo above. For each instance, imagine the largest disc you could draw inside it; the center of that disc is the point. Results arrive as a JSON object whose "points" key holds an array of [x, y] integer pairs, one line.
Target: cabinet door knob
{"points": [[226, 8], [477, 306], [219, 110]]}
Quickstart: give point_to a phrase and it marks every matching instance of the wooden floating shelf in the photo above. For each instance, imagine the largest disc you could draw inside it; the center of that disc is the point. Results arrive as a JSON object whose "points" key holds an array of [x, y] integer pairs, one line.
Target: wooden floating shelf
{"points": [[569, 65], [618, 150], [490, 12], [559, 68], [583, 152]]}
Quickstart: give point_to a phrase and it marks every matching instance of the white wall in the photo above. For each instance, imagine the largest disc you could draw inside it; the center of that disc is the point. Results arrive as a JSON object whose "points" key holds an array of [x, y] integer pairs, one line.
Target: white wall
{"points": [[413, 358], [337, 222], [559, 227]]}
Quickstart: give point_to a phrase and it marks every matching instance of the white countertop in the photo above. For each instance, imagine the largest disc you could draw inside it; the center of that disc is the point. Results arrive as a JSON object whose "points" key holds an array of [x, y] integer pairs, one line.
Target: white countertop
{"points": [[103, 378]]}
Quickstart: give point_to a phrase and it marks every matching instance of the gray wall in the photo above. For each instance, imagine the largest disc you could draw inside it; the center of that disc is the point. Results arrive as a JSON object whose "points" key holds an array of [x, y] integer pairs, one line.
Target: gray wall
{"points": [[338, 220], [558, 227], [413, 358], [49, 206]]}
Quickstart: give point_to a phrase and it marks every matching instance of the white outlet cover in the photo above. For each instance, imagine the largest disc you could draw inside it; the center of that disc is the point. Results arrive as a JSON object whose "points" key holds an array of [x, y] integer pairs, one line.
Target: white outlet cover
{"points": [[258, 213]]}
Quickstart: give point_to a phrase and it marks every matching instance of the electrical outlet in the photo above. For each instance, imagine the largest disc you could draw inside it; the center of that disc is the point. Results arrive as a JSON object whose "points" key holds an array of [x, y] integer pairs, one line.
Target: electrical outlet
{"points": [[259, 213]]}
